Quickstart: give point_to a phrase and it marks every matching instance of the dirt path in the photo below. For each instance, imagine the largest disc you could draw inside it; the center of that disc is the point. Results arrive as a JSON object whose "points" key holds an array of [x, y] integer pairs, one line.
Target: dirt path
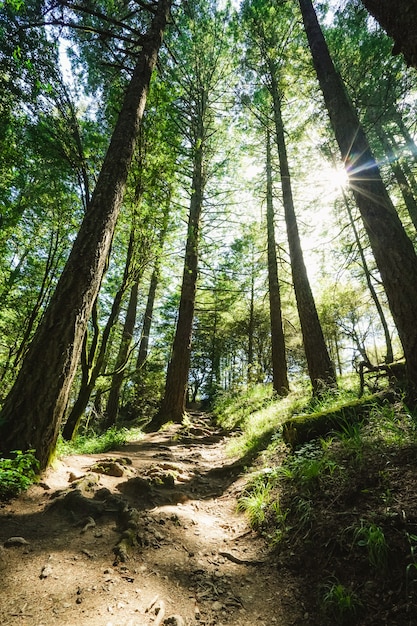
{"points": [[194, 560]]}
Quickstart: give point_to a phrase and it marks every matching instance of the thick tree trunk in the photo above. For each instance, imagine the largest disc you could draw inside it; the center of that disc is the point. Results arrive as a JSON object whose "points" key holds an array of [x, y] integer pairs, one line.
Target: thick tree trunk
{"points": [[94, 364], [279, 360], [320, 367], [33, 410], [393, 250], [398, 19]]}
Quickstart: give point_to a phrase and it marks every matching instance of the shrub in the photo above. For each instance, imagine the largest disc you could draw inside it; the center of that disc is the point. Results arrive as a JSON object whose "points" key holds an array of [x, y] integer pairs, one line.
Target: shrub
{"points": [[17, 473]]}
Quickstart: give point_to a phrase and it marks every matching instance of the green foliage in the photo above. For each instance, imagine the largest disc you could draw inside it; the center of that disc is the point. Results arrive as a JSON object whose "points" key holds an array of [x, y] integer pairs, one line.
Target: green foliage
{"points": [[17, 473], [112, 439], [254, 503], [393, 424], [352, 440], [339, 603], [371, 537], [233, 408], [309, 464], [333, 418], [411, 569], [257, 413]]}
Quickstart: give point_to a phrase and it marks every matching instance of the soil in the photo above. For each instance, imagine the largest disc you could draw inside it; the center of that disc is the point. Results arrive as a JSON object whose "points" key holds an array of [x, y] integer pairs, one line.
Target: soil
{"points": [[150, 535], [145, 535]]}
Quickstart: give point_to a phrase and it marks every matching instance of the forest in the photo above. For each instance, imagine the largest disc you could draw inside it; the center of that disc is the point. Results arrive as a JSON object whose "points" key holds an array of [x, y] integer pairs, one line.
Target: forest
{"points": [[196, 199], [208, 215]]}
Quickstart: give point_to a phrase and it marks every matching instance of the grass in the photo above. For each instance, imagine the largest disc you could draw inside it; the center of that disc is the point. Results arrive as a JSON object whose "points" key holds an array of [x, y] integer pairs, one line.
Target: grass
{"points": [[258, 415], [331, 506], [254, 503], [112, 439], [232, 409], [339, 603], [372, 537]]}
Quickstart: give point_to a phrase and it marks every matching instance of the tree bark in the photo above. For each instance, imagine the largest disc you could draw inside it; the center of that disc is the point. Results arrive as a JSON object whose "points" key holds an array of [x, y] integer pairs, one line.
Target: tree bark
{"points": [[147, 321], [153, 285], [33, 410], [93, 364], [174, 400], [393, 250], [398, 19], [320, 367], [279, 360]]}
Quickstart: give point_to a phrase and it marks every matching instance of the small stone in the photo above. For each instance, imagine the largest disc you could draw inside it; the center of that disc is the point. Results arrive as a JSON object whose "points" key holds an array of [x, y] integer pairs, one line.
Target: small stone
{"points": [[217, 606], [45, 572], [174, 620], [15, 541]]}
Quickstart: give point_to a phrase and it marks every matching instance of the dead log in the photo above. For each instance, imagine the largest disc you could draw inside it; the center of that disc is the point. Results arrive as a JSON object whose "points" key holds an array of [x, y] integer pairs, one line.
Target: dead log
{"points": [[302, 428]]}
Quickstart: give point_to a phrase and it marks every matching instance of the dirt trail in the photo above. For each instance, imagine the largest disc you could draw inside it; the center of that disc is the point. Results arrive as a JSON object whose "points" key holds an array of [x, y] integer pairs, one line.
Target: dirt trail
{"points": [[194, 560]]}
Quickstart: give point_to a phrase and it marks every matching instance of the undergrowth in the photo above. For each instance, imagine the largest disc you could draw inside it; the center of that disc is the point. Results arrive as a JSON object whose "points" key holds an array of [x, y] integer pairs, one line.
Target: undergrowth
{"points": [[17, 473], [339, 509], [112, 439], [256, 414]]}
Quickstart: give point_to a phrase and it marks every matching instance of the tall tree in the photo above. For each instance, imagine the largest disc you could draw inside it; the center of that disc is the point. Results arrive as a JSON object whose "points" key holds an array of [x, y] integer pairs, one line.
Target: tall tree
{"points": [[263, 21], [279, 361], [393, 250], [33, 410], [203, 45]]}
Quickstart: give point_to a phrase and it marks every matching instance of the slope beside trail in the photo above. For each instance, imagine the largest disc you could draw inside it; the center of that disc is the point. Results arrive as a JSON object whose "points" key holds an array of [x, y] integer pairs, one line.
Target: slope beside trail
{"points": [[147, 535]]}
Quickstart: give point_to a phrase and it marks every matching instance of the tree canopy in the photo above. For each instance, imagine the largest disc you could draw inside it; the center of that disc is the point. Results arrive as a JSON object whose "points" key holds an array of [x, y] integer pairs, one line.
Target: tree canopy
{"points": [[175, 220]]}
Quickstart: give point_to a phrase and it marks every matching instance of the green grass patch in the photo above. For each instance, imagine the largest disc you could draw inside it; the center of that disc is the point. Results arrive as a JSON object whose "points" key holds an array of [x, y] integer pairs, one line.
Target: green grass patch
{"points": [[232, 409], [17, 473], [258, 415], [112, 439], [340, 604]]}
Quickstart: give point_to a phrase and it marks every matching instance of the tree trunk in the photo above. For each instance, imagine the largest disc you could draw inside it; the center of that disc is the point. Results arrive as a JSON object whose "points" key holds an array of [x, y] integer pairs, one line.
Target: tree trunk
{"points": [[393, 250], [279, 360], [398, 19], [251, 324], [400, 177], [94, 364], [33, 410], [389, 357], [174, 400], [147, 318], [112, 408], [42, 295], [320, 367], [147, 321]]}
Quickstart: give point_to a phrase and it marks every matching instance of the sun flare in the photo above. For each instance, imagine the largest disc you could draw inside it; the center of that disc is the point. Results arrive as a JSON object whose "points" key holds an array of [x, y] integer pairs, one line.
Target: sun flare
{"points": [[337, 177]]}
